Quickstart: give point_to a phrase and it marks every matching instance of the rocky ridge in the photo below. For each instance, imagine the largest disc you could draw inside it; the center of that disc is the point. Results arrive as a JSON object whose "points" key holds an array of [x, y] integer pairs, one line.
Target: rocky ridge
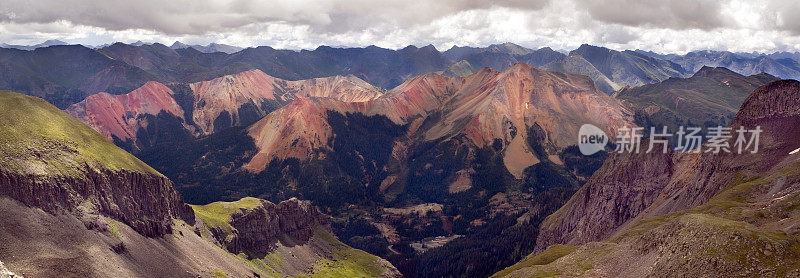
{"points": [[205, 107], [740, 205], [483, 107], [676, 181], [711, 97], [595, 211], [227, 94]]}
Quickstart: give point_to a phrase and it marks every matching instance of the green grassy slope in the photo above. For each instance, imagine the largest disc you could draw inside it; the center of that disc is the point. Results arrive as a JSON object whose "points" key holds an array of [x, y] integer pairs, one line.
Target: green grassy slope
{"points": [[345, 261], [218, 214], [38, 138]]}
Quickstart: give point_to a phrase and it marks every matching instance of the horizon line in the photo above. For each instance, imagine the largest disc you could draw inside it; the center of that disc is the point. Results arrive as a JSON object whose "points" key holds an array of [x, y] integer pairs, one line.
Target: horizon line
{"points": [[564, 51]]}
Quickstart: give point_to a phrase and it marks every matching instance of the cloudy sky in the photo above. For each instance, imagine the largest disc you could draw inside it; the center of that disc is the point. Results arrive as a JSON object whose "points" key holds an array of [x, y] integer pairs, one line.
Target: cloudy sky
{"points": [[667, 26]]}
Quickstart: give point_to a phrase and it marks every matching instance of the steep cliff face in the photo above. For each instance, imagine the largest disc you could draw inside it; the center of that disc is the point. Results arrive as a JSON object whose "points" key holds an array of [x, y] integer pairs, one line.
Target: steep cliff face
{"points": [[148, 203], [254, 225], [286, 239], [41, 244], [52, 161], [619, 191], [676, 182], [774, 108], [727, 214]]}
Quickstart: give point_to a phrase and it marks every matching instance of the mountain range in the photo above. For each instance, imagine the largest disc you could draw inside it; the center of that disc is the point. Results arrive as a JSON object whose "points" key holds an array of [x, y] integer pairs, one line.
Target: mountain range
{"points": [[438, 156], [32, 47], [457, 163], [611, 70], [468, 146], [204, 107], [122, 67], [210, 48], [479, 150]]}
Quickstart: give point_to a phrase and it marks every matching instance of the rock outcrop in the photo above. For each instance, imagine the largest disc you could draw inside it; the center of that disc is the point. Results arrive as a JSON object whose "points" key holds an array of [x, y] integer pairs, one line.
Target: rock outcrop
{"points": [[256, 229], [285, 239], [148, 203], [5, 273]]}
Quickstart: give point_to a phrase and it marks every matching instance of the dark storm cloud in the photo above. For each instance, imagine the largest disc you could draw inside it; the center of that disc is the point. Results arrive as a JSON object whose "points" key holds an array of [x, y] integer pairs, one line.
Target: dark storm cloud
{"points": [[785, 14], [616, 34], [203, 16], [661, 25], [171, 17], [356, 15], [672, 14]]}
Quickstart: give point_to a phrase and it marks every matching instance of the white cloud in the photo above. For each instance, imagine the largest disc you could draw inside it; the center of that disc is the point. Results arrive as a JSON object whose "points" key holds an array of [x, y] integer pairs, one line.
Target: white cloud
{"points": [[659, 25]]}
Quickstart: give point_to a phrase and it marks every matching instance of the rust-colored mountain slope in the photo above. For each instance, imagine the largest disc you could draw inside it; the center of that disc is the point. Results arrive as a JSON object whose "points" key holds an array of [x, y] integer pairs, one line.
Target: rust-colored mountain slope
{"points": [[119, 115], [227, 94], [483, 107], [231, 100]]}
